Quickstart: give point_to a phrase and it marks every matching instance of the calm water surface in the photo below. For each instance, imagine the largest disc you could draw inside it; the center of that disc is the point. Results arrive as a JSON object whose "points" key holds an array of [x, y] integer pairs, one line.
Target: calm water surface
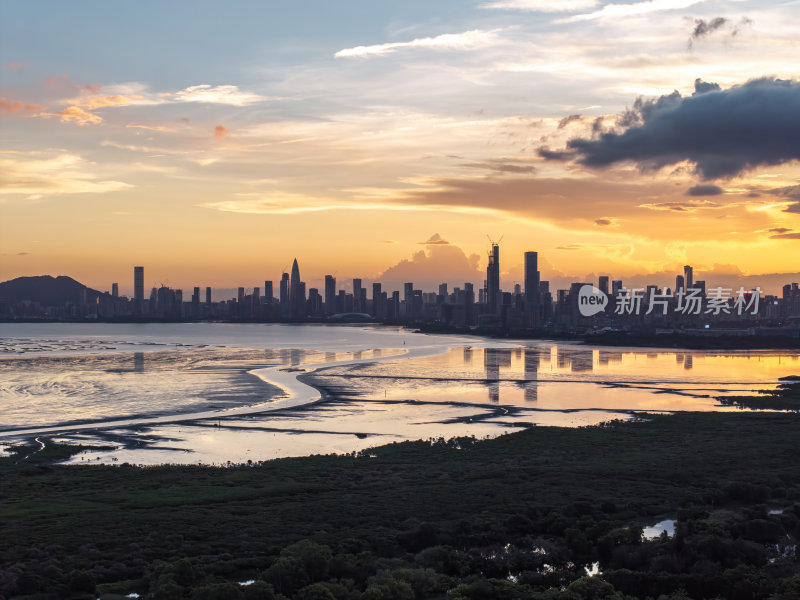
{"points": [[62, 375]]}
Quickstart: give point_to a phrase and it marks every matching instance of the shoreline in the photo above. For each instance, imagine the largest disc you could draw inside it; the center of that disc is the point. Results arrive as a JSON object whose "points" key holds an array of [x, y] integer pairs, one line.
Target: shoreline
{"points": [[295, 393]]}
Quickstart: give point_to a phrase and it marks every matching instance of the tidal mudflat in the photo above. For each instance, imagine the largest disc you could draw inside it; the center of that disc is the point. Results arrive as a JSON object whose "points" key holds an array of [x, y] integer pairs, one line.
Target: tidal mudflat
{"points": [[218, 393]]}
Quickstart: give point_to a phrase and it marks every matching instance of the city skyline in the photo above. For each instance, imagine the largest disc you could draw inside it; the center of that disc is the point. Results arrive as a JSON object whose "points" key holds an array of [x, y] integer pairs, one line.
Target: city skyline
{"points": [[353, 135]]}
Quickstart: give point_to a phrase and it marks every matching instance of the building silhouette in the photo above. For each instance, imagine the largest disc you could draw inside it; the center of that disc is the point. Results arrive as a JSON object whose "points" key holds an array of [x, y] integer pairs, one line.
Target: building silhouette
{"points": [[138, 289], [493, 280]]}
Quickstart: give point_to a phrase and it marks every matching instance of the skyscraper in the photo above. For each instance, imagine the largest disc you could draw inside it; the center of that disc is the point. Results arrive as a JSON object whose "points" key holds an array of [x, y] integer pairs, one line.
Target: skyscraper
{"points": [[532, 278], [357, 296], [268, 294], [688, 276], [138, 289], [493, 280], [377, 300], [330, 294], [284, 294], [115, 290], [602, 283], [532, 295], [208, 296], [297, 293]]}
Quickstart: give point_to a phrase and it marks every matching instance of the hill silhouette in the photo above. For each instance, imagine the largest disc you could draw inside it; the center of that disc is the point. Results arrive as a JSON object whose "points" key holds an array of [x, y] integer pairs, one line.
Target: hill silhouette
{"points": [[47, 290]]}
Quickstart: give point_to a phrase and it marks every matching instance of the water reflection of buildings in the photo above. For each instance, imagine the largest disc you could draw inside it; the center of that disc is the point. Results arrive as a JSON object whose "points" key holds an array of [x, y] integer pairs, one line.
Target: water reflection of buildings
{"points": [[532, 361], [604, 357], [493, 360], [138, 362], [576, 361], [582, 361], [468, 355], [685, 358]]}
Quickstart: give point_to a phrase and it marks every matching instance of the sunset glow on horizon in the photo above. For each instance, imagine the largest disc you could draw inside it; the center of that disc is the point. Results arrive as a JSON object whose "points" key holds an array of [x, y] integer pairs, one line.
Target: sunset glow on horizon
{"points": [[215, 143]]}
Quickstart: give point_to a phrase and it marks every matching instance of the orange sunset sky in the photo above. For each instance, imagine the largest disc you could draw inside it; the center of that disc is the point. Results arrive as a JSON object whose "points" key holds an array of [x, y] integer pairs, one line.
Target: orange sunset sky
{"points": [[213, 143]]}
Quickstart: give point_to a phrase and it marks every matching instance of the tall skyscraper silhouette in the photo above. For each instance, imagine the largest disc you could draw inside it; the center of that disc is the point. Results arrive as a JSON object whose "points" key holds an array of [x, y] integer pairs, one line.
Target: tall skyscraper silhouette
{"points": [[284, 294], [532, 296], [330, 294], [115, 290], [357, 296], [688, 276], [297, 293], [602, 284], [268, 293], [138, 289], [493, 280]]}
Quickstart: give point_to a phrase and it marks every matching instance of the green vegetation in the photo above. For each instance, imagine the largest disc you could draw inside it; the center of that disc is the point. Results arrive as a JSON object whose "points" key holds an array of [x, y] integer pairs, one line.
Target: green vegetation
{"points": [[785, 397], [512, 518]]}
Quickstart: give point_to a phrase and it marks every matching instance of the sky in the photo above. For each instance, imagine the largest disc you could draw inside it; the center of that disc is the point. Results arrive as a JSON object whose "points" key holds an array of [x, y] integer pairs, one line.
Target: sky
{"points": [[213, 143]]}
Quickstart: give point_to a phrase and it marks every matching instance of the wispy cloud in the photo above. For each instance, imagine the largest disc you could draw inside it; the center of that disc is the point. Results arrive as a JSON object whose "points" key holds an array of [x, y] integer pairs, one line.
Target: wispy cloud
{"points": [[468, 40], [74, 114], [12, 107], [633, 10], [62, 174], [541, 5], [220, 94]]}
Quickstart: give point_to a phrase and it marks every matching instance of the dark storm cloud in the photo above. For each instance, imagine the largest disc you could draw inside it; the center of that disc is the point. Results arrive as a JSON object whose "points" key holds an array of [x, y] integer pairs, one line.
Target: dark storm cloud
{"points": [[704, 190], [549, 154], [567, 120], [703, 28], [791, 192], [701, 87], [723, 132]]}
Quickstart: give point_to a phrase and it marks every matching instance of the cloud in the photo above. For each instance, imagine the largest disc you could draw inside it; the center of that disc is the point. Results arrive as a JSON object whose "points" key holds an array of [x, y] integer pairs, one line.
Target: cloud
{"points": [[540, 5], [468, 40], [701, 87], [792, 191], [786, 236], [705, 190], [724, 133], [11, 107], [603, 222], [62, 174], [567, 120], [501, 166], [221, 132], [438, 263], [148, 127], [76, 114], [688, 206], [779, 230], [635, 9], [220, 94], [14, 65], [434, 240], [703, 28], [95, 102]]}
